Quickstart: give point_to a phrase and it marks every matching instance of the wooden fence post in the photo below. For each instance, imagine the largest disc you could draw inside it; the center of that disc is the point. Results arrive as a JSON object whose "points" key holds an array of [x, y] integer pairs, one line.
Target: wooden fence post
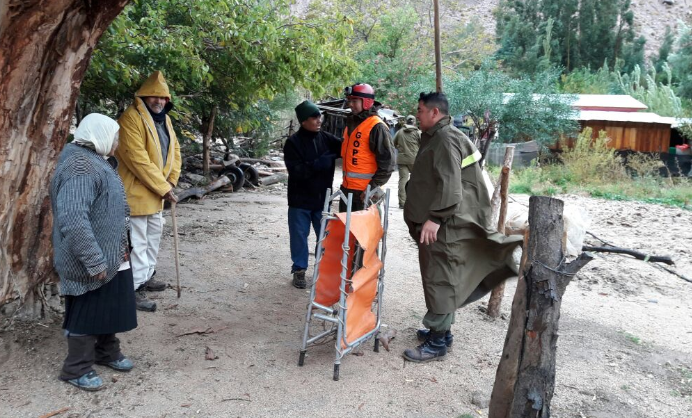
{"points": [[498, 292], [525, 379]]}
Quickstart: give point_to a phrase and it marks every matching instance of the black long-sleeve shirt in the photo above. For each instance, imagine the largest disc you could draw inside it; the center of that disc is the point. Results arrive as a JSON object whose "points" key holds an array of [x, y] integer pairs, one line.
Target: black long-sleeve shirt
{"points": [[307, 185]]}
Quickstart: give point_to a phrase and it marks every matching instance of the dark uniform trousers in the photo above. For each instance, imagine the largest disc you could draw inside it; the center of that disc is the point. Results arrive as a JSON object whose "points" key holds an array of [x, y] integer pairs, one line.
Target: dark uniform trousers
{"points": [[356, 203]]}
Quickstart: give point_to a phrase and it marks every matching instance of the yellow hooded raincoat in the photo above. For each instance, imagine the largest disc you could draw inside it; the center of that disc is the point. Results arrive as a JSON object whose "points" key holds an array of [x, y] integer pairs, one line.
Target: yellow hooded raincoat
{"points": [[144, 176]]}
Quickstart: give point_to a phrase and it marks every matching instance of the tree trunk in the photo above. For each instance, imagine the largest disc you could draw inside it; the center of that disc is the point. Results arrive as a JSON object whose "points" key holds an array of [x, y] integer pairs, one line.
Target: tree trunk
{"points": [[525, 379], [206, 146], [45, 47], [276, 178], [498, 292], [199, 192]]}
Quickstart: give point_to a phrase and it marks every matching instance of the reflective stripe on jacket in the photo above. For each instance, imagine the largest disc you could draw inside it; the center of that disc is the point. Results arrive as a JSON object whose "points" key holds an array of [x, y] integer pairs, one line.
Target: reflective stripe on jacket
{"points": [[359, 162]]}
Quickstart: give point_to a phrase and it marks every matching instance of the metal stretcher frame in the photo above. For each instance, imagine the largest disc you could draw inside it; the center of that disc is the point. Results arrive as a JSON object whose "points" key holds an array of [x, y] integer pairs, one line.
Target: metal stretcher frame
{"points": [[338, 316]]}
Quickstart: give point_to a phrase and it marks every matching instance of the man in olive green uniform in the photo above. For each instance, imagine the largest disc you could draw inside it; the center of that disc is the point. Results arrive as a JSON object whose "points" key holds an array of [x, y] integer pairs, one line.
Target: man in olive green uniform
{"points": [[406, 141], [448, 214]]}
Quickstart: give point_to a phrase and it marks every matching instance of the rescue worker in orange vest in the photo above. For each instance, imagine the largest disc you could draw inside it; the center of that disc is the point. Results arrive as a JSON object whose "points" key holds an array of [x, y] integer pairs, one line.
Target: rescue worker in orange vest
{"points": [[368, 157]]}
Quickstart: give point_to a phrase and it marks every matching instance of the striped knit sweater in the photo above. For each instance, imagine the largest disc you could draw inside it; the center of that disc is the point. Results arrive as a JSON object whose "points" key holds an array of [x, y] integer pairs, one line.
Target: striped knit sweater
{"points": [[90, 219]]}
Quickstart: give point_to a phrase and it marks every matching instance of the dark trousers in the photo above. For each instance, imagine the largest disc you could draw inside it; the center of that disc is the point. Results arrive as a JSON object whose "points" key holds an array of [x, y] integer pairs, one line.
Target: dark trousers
{"points": [[85, 350], [299, 221], [356, 202]]}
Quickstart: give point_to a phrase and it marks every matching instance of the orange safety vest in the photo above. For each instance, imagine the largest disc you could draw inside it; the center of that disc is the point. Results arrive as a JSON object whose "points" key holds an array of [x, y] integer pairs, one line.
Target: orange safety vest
{"points": [[359, 163]]}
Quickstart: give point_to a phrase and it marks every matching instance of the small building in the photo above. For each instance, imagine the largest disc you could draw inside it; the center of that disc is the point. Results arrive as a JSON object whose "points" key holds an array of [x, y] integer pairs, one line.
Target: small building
{"points": [[631, 131]]}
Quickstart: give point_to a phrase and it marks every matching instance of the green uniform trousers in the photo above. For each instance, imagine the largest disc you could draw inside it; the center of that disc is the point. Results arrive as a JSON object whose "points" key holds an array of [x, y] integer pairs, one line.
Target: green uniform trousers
{"points": [[404, 175], [438, 322]]}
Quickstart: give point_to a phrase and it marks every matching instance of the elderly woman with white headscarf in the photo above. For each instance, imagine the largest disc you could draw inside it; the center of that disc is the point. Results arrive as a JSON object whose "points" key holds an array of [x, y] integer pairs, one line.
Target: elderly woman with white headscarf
{"points": [[91, 252]]}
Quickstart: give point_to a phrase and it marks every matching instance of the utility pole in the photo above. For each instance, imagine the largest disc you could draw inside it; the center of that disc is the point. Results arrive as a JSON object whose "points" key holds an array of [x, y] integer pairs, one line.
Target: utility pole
{"points": [[438, 55]]}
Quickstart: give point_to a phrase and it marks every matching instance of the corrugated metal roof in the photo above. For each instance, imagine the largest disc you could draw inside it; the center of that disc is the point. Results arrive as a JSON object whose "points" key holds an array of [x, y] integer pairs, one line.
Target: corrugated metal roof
{"points": [[600, 101], [608, 100], [638, 117]]}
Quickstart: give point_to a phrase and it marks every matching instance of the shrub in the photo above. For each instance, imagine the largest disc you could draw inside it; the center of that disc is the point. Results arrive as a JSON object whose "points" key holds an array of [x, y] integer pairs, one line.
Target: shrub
{"points": [[590, 161], [644, 165]]}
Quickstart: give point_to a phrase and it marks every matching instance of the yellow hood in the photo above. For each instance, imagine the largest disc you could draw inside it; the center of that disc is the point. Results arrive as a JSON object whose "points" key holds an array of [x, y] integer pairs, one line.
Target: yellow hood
{"points": [[154, 86]]}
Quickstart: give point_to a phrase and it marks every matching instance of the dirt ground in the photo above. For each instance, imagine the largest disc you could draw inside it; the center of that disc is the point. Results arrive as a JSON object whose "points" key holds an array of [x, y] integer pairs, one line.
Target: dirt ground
{"points": [[625, 346]]}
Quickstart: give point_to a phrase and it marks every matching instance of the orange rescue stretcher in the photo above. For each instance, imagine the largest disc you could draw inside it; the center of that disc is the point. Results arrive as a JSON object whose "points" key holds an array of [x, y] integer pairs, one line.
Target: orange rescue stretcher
{"points": [[348, 275]]}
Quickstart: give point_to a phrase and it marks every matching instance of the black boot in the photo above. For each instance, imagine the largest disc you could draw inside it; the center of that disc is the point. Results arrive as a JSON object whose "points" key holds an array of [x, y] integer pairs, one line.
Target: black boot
{"points": [[433, 348], [422, 335], [299, 279], [143, 303], [154, 285]]}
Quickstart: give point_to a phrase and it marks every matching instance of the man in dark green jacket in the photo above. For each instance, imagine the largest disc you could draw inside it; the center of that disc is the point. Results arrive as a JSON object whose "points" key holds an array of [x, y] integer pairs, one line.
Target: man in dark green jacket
{"points": [[448, 215], [406, 141]]}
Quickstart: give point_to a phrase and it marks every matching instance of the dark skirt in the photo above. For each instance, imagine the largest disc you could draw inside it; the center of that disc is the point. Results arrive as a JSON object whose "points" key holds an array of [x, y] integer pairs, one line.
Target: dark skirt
{"points": [[110, 309]]}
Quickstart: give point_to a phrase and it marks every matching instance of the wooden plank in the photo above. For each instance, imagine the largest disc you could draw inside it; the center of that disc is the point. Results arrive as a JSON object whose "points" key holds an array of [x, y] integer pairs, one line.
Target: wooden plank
{"points": [[665, 140], [631, 136]]}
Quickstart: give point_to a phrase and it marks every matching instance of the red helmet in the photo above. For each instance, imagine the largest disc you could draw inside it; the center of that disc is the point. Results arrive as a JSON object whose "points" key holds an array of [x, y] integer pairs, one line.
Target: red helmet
{"points": [[365, 92]]}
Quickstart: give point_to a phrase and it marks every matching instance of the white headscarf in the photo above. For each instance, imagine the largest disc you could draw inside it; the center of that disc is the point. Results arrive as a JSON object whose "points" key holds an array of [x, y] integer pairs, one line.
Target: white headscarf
{"points": [[98, 132]]}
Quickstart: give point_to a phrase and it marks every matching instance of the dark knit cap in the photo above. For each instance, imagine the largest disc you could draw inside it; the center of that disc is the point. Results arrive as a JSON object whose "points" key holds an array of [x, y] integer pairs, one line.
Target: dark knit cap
{"points": [[306, 110]]}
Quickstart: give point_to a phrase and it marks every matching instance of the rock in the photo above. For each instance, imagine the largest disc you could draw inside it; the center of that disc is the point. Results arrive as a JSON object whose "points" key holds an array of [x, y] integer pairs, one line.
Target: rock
{"points": [[184, 186], [480, 399]]}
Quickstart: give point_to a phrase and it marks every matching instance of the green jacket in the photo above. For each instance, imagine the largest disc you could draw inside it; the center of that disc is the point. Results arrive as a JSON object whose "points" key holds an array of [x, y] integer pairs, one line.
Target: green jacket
{"points": [[407, 141], [447, 187]]}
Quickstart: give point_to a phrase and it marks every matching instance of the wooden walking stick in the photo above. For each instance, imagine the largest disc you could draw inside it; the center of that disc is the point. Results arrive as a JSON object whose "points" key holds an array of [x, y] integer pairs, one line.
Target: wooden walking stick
{"points": [[175, 248]]}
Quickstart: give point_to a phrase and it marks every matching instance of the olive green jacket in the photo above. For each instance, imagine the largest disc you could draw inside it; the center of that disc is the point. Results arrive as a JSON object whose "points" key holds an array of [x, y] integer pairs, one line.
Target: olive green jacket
{"points": [[407, 141], [447, 187]]}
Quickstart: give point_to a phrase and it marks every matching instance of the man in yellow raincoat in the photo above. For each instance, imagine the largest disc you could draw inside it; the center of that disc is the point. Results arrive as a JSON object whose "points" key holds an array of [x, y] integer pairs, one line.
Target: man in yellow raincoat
{"points": [[149, 154]]}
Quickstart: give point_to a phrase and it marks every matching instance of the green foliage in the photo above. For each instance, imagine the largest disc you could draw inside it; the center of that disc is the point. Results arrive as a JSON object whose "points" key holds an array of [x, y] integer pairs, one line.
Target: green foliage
{"points": [[221, 53], [534, 34], [585, 81], [659, 97], [390, 59], [686, 130], [258, 123], [681, 61], [590, 161], [644, 165], [632, 338], [536, 112], [591, 167], [393, 45], [532, 110], [664, 51]]}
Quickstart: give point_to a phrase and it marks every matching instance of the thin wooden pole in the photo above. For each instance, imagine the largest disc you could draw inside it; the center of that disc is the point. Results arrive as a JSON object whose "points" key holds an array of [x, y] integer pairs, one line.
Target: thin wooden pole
{"points": [[175, 248], [498, 292], [438, 54]]}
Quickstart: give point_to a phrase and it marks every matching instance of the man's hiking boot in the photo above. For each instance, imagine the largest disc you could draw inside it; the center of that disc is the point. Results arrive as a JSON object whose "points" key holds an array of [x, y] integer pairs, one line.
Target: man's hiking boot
{"points": [[153, 285], [299, 279], [143, 303], [434, 348], [422, 335]]}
